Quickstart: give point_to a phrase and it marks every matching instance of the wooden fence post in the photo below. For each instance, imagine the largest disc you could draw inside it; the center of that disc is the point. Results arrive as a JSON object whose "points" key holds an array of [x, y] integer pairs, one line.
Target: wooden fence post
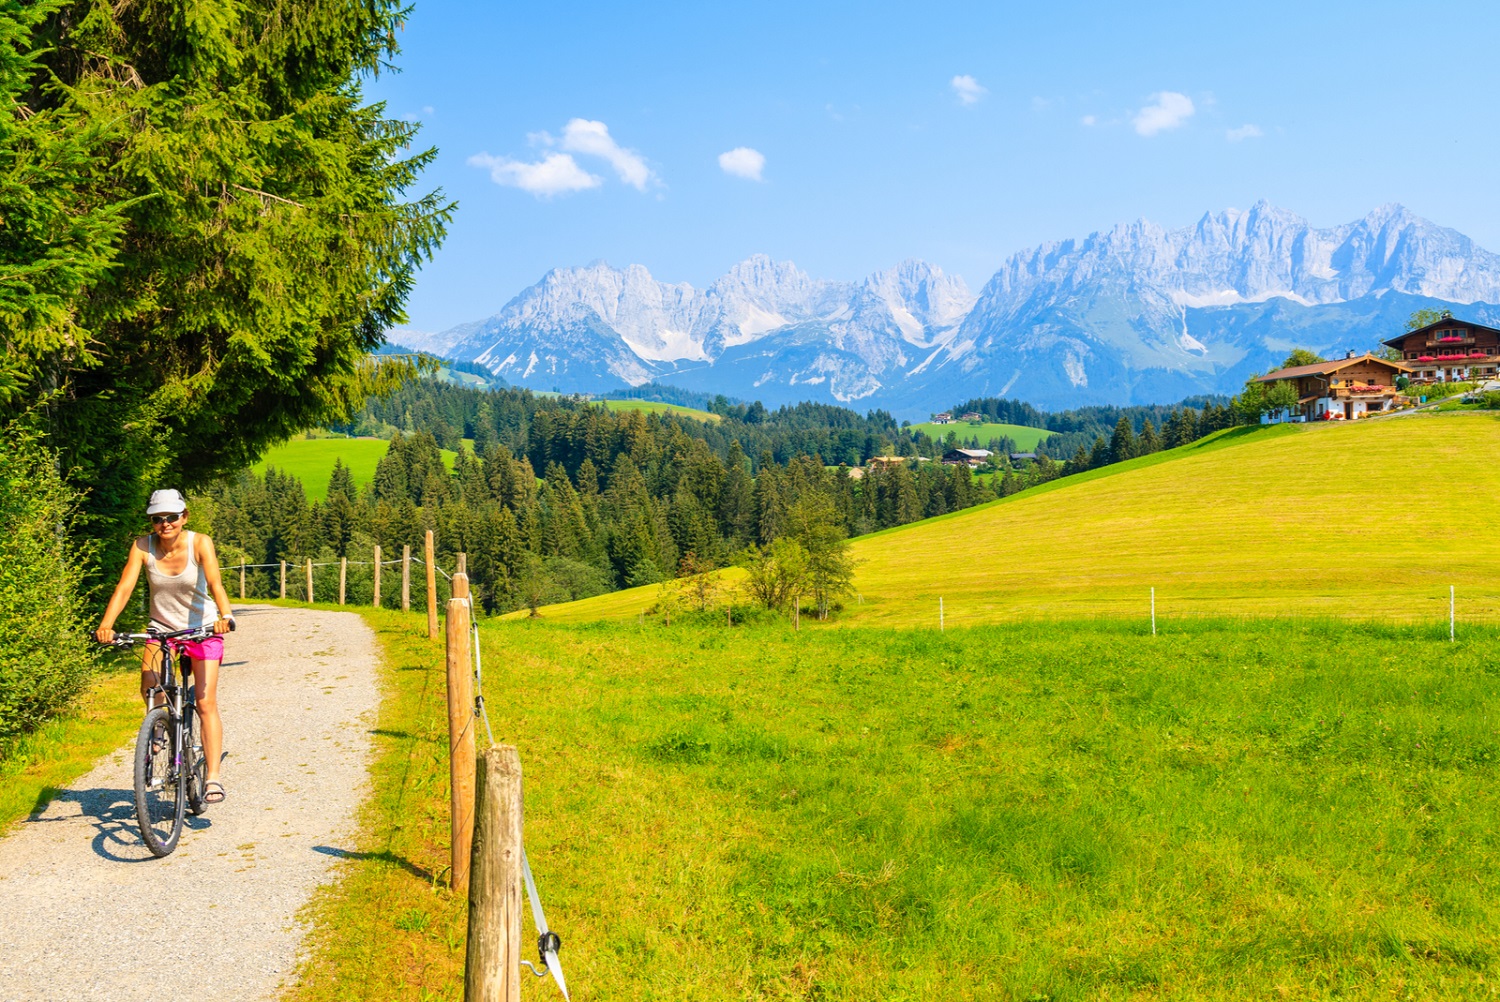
{"points": [[492, 968], [405, 577], [309, 581], [463, 563], [430, 561], [283, 579], [460, 585], [242, 581], [376, 603], [797, 615], [460, 740], [343, 577]]}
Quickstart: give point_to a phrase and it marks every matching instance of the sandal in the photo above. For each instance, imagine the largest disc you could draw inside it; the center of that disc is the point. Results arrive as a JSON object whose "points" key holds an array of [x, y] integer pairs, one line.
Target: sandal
{"points": [[213, 792]]}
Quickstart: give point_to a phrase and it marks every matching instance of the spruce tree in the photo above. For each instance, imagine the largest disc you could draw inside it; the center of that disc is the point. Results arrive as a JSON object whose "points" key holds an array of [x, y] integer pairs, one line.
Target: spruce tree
{"points": [[206, 231], [1123, 445]]}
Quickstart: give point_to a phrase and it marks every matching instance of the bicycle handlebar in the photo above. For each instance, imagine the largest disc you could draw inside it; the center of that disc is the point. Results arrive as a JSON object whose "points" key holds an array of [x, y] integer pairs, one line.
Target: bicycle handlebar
{"points": [[131, 639]]}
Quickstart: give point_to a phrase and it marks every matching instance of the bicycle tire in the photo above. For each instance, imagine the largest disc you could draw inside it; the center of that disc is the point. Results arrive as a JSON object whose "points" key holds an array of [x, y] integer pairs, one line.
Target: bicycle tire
{"points": [[197, 778], [160, 788], [197, 783]]}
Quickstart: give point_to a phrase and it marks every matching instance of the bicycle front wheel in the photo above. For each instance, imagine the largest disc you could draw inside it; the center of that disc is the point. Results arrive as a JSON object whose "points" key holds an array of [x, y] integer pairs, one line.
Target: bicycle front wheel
{"points": [[160, 785]]}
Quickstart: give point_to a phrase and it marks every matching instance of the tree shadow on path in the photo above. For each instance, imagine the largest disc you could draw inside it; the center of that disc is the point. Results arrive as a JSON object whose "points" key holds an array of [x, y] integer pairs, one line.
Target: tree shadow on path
{"points": [[112, 813]]}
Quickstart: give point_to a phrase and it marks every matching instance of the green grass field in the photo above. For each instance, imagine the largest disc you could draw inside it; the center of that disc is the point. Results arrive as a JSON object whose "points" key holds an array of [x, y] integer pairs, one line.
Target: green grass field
{"points": [[1026, 438], [1064, 810], [311, 460], [657, 407], [1368, 520]]}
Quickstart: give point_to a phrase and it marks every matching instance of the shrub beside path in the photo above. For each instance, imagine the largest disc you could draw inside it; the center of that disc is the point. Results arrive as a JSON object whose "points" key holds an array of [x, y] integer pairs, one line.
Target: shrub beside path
{"points": [[87, 913]]}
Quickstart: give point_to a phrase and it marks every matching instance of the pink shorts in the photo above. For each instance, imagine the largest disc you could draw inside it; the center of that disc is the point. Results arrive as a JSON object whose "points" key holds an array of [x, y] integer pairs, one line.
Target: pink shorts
{"points": [[211, 649]]}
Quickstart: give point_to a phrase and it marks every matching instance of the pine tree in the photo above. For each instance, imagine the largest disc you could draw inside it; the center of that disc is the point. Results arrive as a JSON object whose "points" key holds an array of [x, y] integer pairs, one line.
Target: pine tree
{"points": [[1148, 441], [1123, 445], [229, 237]]}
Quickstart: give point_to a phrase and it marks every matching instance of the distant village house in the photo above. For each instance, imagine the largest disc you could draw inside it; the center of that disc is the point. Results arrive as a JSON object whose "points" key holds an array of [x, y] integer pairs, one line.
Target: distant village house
{"points": [[973, 417], [967, 457], [1450, 351], [1345, 389], [944, 418]]}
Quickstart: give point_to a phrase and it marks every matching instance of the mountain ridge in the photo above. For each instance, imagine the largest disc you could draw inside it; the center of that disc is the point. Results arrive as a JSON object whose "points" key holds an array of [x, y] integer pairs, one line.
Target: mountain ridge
{"points": [[1122, 314]]}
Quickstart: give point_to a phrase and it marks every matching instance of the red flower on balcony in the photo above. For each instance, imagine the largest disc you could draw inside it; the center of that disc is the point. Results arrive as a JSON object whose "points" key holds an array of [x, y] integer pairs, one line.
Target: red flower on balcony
{"points": [[1450, 338], [1476, 354], [1426, 358]]}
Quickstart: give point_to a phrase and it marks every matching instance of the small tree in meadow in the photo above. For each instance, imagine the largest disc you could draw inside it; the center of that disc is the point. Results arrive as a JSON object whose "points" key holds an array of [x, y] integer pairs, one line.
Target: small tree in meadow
{"points": [[697, 581], [815, 523], [777, 573]]}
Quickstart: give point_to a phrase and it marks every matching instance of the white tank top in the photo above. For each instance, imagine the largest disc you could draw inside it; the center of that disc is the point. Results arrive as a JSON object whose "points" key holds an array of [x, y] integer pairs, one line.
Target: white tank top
{"points": [[179, 601]]}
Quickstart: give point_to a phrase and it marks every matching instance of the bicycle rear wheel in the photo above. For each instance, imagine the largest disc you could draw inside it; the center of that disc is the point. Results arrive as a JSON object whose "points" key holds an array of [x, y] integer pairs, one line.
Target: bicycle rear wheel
{"points": [[160, 787]]}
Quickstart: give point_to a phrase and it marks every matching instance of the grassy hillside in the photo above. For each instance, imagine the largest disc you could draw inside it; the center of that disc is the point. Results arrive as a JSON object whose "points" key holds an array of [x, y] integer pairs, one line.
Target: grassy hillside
{"points": [[657, 407], [311, 460], [1369, 520], [1232, 810], [1026, 438]]}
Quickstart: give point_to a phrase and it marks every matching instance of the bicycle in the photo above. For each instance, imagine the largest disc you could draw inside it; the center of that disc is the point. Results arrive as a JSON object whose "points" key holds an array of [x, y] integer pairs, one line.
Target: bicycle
{"points": [[171, 774]]}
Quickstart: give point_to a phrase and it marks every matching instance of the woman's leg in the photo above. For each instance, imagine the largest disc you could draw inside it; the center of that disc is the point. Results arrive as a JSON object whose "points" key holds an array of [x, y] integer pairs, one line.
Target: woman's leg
{"points": [[206, 684], [150, 661]]}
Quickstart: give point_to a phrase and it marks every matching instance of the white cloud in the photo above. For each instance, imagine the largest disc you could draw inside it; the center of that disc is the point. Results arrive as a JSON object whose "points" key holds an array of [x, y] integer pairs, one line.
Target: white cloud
{"points": [[1167, 110], [593, 139], [428, 109], [968, 89], [555, 174], [1244, 132], [743, 162], [1088, 120]]}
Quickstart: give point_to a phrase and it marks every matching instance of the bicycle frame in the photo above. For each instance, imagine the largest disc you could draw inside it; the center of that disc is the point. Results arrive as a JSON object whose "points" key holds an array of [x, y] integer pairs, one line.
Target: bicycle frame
{"points": [[179, 697]]}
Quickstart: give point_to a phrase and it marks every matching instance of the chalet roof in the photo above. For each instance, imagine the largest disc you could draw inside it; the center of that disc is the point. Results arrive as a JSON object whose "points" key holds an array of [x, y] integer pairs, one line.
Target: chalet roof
{"points": [[1327, 368], [971, 453], [1395, 342]]}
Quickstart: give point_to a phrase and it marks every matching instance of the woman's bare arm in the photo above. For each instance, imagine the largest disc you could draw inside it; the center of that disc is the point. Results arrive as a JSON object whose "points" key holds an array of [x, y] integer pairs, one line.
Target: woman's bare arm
{"points": [[209, 558], [128, 578]]}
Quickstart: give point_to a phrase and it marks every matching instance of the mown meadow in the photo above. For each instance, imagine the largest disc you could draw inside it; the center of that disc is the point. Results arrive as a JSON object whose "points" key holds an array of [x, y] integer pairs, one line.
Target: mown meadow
{"points": [[1034, 810], [311, 460], [1371, 520]]}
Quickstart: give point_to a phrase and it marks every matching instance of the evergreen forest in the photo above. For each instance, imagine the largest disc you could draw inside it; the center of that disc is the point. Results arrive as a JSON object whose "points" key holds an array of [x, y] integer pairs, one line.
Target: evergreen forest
{"points": [[559, 498]]}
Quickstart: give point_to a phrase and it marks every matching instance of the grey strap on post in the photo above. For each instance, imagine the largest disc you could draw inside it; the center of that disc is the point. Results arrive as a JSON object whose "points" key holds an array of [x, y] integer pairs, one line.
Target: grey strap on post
{"points": [[547, 942]]}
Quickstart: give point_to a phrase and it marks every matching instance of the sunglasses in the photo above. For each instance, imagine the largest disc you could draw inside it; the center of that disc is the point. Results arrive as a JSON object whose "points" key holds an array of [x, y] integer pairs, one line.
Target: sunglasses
{"points": [[166, 519]]}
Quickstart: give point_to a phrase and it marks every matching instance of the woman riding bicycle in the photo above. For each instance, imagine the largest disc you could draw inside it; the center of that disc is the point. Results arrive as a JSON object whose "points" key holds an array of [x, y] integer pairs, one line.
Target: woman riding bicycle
{"points": [[183, 571]]}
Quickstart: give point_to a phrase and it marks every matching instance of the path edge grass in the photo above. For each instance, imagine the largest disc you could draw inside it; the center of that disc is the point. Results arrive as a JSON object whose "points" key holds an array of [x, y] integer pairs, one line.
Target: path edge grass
{"points": [[38, 766]]}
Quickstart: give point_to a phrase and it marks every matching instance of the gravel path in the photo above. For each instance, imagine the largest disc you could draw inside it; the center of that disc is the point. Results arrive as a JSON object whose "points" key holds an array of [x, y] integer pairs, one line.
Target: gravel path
{"points": [[83, 903]]}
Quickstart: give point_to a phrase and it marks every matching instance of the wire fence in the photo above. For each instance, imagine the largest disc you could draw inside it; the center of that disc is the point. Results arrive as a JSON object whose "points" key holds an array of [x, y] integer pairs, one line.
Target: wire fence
{"points": [[378, 581]]}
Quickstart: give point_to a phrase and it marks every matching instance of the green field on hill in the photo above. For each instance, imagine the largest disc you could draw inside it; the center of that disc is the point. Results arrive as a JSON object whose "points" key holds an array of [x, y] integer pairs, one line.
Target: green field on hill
{"points": [[311, 460], [657, 407], [1367, 520], [1233, 809], [1025, 437]]}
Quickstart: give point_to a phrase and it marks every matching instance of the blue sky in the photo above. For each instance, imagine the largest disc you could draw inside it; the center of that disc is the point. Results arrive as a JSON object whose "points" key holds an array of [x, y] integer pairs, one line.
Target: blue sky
{"points": [[957, 133]]}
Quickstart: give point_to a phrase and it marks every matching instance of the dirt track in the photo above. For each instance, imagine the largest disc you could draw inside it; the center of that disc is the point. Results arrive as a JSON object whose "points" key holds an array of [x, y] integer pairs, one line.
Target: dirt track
{"points": [[85, 909]]}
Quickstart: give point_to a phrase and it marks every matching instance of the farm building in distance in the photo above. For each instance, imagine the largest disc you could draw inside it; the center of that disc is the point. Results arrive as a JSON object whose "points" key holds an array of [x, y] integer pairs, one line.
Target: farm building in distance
{"points": [[967, 457], [946, 417], [1344, 389], [1449, 351]]}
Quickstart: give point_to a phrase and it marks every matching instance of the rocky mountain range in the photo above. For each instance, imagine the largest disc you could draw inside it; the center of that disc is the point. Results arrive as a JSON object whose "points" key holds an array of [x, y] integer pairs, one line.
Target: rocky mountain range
{"points": [[1134, 314]]}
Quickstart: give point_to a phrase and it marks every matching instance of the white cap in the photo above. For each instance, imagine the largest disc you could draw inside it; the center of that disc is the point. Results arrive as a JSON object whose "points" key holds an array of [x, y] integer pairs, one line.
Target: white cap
{"points": [[165, 501]]}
